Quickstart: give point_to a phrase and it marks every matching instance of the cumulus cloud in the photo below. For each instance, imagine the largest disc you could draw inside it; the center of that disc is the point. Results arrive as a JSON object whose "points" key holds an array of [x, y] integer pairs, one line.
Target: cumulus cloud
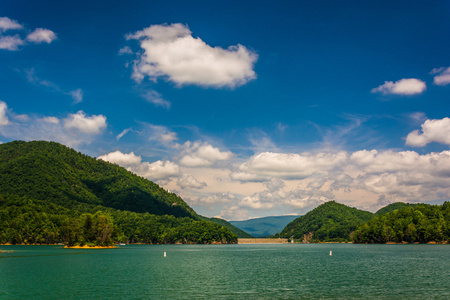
{"points": [[11, 43], [3, 118], [268, 165], [190, 182], [171, 52], [432, 131], [8, 24], [69, 131], [41, 35], [406, 87], [155, 98], [156, 171], [200, 154], [91, 125], [442, 76]]}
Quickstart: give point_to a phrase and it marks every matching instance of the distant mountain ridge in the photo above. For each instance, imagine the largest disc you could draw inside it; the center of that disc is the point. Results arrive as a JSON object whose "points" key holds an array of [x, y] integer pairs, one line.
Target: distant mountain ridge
{"points": [[265, 226]]}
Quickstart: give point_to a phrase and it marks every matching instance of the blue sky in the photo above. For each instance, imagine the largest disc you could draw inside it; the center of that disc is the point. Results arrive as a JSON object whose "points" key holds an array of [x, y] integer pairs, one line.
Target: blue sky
{"points": [[243, 109]]}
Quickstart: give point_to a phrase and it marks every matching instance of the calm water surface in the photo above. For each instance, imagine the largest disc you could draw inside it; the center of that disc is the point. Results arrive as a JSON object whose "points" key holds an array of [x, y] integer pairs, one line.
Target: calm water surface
{"points": [[227, 272]]}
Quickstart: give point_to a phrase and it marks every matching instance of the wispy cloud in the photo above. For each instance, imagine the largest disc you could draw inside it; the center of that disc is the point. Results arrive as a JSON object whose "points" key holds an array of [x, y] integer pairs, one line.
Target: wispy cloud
{"points": [[155, 98], [76, 95]]}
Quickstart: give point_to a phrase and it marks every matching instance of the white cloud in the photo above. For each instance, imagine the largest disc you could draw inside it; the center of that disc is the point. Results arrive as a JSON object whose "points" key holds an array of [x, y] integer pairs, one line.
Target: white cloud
{"points": [[442, 77], [3, 118], [432, 131], [202, 155], [171, 52], [406, 86], [155, 98], [156, 171], [122, 159], [77, 95], [91, 125], [8, 24], [41, 35], [11, 43], [52, 120], [268, 165], [31, 127], [234, 213], [186, 181]]}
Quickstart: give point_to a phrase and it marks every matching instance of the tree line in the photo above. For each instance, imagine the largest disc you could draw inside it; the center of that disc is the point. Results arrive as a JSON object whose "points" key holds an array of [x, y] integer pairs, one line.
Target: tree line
{"points": [[29, 221]]}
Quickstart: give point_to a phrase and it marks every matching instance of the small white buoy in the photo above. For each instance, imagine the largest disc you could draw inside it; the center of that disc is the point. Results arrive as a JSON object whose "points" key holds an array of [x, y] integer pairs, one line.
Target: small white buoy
{"points": [[166, 255], [331, 252]]}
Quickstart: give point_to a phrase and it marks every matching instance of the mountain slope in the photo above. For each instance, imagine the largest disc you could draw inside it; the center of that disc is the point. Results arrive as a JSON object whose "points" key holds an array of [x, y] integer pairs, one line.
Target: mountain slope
{"points": [[234, 229], [421, 223], [51, 194], [52, 172], [328, 222], [393, 206], [264, 227]]}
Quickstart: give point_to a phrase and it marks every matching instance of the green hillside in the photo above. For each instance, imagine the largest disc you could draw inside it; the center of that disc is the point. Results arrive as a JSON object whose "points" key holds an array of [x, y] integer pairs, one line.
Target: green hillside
{"points": [[411, 224], [54, 173], [394, 206], [329, 222], [264, 227], [50, 193]]}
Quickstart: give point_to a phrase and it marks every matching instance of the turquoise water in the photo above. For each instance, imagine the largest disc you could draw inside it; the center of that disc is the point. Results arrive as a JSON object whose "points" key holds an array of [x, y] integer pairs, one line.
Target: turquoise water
{"points": [[227, 272]]}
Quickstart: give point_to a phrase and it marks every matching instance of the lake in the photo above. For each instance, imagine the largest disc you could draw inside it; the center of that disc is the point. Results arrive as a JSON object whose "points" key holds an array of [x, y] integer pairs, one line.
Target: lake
{"points": [[261, 271]]}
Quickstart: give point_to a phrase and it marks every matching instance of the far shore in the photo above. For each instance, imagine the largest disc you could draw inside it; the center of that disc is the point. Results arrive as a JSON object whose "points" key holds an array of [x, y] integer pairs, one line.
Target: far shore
{"points": [[262, 241], [89, 247]]}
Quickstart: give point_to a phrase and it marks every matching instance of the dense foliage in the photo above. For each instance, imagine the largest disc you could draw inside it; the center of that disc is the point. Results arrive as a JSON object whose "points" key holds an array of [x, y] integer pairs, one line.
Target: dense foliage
{"points": [[329, 222], [415, 224], [52, 194], [27, 221], [54, 173], [393, 206]]}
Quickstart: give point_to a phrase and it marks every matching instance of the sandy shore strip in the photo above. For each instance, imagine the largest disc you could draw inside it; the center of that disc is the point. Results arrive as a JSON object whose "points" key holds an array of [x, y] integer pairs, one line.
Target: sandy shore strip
{"points": [[262, 241]]}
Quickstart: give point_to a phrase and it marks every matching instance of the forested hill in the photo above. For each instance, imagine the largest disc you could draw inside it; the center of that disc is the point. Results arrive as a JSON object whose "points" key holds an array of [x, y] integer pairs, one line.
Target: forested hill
{"points": [[420, 223], [394, 206], [329, 222], [52, 172], [52, 194]]}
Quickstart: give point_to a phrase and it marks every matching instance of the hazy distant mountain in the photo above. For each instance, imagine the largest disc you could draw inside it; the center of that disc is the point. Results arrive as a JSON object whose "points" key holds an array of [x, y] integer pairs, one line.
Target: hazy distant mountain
{"points": [[266, 226]]}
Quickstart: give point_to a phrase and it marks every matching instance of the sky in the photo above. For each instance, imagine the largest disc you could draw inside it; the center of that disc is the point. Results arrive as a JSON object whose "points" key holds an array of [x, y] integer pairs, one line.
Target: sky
{"points": [[243, 108]]}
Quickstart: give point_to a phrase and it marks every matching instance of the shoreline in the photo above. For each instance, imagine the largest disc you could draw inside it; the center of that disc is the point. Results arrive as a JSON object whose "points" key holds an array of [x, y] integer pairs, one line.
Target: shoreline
{"points": [[89, 247], [262, 241]]}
